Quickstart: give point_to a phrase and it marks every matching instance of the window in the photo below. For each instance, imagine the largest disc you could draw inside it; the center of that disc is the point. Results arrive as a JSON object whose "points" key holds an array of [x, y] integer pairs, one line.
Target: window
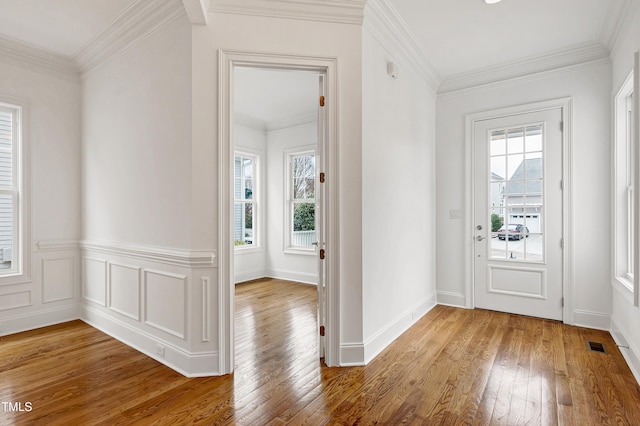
{"points": [[11, 208], [624, 191], [301, 201], [245, 206]]}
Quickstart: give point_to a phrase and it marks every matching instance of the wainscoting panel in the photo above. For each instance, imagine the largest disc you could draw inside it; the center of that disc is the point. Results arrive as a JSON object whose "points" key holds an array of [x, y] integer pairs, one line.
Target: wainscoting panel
{"points": [[165, 298], [94, 280], [57, 279], [19, 299], [124, 290]]}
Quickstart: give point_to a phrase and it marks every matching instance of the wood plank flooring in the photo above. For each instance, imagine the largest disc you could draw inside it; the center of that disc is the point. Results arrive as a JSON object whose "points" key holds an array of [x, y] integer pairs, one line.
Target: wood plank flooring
{"points": [[454, 366]]}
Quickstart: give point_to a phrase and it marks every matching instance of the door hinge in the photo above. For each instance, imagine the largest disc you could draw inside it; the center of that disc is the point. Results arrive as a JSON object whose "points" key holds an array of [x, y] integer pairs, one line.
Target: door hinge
{"points": [[322, 330], [561, 185], [321, 177], [322, 254], [561, 243], [562, 126], [562, 302], [321, 101]]}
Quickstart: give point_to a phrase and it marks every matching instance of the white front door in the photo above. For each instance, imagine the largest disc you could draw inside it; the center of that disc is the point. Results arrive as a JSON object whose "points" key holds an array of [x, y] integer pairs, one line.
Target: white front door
{"points": [[518, 214]]}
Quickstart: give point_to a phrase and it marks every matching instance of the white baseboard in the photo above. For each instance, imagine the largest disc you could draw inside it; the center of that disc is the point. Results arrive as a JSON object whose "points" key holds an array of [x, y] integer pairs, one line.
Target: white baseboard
{"points": [[351, 355], [630, 353], [186, 363], [384, 337], [38, 319], [301, 277], [451, 299], [596, 320]]}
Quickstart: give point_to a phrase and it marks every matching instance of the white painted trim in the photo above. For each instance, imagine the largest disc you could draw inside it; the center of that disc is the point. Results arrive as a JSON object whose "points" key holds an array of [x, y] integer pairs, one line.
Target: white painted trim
{"points": [[189, 364], [391, 31], [385, 336], [338, 11], [630, 352], [630, 10], [18, 53], [197, 11], [227, 59], [575, 57], [290, 275], [57, 245], [352, 354], [254, 274], [134, 24], [591, 319], [170, 256], [38, 319], [566, 106], [448, 298]]}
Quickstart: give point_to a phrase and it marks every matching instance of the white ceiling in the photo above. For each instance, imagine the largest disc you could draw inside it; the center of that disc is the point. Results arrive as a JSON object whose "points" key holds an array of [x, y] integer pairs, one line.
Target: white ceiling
{"points": [[270, 97], [462, 35], [456, 36], [59, 26]]}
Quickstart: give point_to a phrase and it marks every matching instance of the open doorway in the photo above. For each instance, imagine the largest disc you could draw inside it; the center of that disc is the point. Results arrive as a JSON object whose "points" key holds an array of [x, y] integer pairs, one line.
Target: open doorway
{"points": [[277, 142]]}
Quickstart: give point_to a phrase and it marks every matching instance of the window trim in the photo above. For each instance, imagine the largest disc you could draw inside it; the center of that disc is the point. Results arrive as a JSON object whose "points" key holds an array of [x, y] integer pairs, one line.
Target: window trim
{"points": [[623, 183], [288, 200], [21, 247], [257, 222]]}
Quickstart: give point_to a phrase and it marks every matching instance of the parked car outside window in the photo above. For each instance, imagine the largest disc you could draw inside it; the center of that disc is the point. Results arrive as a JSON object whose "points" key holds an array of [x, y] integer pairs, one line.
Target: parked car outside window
{"points": [[513, 232]]}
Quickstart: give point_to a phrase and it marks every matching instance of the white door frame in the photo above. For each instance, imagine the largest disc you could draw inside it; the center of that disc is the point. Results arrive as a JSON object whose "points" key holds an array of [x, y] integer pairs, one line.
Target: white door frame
{"points": [[565, 104], [227, 60]]}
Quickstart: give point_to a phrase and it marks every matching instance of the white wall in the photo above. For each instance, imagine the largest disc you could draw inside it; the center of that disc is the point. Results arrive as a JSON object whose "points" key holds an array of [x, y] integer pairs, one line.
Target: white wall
{"points": [[49, 293], [625, 317], [590, 89], [148, 274], [297, 267], [398, 197]]}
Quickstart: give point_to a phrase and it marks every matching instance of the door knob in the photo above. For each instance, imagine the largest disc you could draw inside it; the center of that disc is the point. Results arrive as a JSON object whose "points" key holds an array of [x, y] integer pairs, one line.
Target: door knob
{"points": [[480, 238]]}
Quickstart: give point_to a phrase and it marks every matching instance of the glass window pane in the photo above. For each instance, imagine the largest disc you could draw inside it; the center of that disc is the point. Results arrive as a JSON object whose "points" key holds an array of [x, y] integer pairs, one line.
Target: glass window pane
{"points": [[304, 225], [6, 230], [533, 140], [515, 168], [498, 168], [515, 144], [498, 143]]}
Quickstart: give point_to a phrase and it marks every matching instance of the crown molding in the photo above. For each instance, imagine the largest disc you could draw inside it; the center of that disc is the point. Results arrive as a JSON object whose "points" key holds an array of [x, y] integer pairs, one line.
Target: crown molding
{"points": [[197, 10], [389, 29], [338, 11], [18, 53], [287, 123], [135, 23], [584, 53], [272, 126], [616, 20], [625, 19], [249, 122]]}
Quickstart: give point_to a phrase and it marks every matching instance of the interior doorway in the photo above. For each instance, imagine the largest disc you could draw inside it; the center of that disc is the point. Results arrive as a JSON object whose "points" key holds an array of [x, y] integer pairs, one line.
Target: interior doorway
{"points": [[278, 129], [329, 237]]}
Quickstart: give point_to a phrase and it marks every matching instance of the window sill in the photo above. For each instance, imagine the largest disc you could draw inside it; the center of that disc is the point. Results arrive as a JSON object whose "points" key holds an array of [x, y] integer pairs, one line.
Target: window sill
{"points": [[624, 287]]}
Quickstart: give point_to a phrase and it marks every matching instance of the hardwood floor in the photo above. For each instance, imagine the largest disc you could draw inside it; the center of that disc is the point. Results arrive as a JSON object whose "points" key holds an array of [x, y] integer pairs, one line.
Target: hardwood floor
{"points": [[454, 366]]}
